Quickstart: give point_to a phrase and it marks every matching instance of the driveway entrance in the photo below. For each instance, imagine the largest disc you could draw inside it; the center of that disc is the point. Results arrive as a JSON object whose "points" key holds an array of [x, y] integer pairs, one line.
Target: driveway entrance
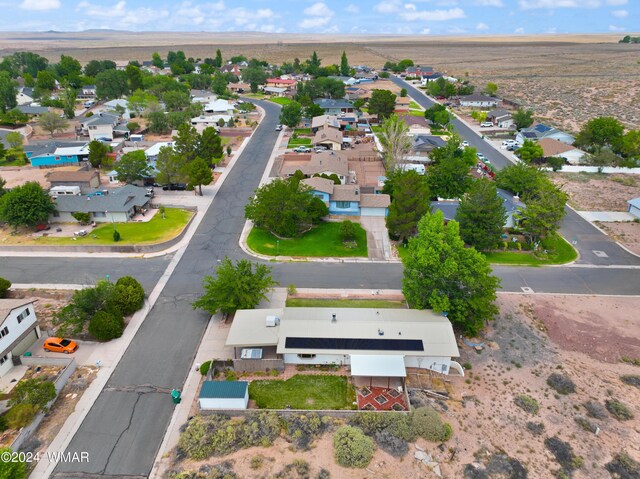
{"points": [[377, 237]]}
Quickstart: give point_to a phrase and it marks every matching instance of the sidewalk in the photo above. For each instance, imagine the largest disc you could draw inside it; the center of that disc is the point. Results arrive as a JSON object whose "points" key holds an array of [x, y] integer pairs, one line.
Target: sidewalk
{"points": [[607, 216]]}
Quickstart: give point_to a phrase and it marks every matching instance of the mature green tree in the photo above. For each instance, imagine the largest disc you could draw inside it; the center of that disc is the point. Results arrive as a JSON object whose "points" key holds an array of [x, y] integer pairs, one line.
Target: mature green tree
{"points": [[12, 469], [395, 141], [600, 132], [291, 114], [52, 122], [45, 82], [26, 205], [171, 166], [631, 144], [14, 139], [404, 64], [158, 122], [94, 67], [112, 84], [200, 174], [491, 89], [254, 74], [7, 93], [481, 215], [530, 152], [186, 142], [382, 103], [156, 60], [68, 98], [106, 325], [440, 273], [522, 118], [410, 203], [520, 178], [284, 207], [132, 167], [176, 100], [134, 77], [344, 65], [29, 63], [313, 64], [128, 295], [544, 211], [209, 146], [313, 110], [218, 60], [139, 101], [430, 112], [97, 153], [236, 286], [448, 175], [219, 84], [68, 68]]}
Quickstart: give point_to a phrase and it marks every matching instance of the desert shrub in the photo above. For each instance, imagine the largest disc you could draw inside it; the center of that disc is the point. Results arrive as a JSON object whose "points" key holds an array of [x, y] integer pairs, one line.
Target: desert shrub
{"points": [[105, 326], [618, 409], [352, 448], [230, 375], [536, 428], [595, 410], [21, 415], [527, 403], [128, 295], [35, 392], [561, 383], [623, 467], [426, 423], [204, 367], [563, 452], [585, 424], [91, 300], [257, 461], [302, 429], [399, 425], [3, 423], [5, 284], [323, 474], [631, 380], [467, 366], [498, 466], [298, 469], [393, 445]]}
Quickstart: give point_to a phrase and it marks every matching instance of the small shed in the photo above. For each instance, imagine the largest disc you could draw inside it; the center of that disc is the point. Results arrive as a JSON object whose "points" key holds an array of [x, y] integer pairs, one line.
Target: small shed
{"points": [[224, 395], [634, 207]]}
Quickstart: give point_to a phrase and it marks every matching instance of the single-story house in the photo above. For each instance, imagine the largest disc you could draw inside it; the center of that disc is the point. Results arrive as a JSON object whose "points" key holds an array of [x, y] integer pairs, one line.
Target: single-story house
{"points": [[219, 107], [223, 395], [54, 153], [87, 91], [634, 207], [512, 204], [232, 68], [418, 71], [347, 199], [326, 162], [477, 101], [87, 180], [335, 107], [287, 83], [18, 330], [570, 153], [275, 91], [324, 121], [210, 120], [25, 96], [418, 125], [239, 87], [202, 96], [117, 205], [402, 104], [353, 93], [540, 131], [422, 145], [3, 137], [33, 110], [406, 337], [120, 104], [154, 150], [500, 118], [349, 81], [330, 138], [429, 78]]}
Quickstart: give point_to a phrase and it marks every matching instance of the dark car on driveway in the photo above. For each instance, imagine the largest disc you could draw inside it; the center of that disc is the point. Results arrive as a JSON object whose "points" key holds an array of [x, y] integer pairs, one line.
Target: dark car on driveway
{"points": [[175, 187]]}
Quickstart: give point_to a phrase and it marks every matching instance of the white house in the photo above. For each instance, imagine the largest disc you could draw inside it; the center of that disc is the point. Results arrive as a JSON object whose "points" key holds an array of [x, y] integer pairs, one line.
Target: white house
{"points": [[202, 96], [634, 207], [25, 96], [154, 150], [219, 107], [18, 330], [570, 153], [408, 337], [210, 120], [478, 101], [224, 395]]}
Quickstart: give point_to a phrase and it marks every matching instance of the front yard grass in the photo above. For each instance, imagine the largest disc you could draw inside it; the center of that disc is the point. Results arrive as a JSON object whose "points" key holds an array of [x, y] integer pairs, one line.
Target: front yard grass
{"points": [[281, 100], [322, 241], [558, 252], [345, 303], [303, 392], [293, 142], [156, 230], [414, 106], [302, 131]]}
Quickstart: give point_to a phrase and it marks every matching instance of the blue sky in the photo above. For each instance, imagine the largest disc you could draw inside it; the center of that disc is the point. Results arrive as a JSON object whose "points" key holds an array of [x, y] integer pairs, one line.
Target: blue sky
{"points": [[429, 17]]}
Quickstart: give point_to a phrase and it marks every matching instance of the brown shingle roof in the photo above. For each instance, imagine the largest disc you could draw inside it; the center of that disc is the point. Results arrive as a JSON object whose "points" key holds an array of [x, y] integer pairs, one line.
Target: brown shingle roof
{"points": [[375, 201], [8, 305], [346, 193], [553, 147], [320, 184], [327, 161], [327, 134], [81, 175]]}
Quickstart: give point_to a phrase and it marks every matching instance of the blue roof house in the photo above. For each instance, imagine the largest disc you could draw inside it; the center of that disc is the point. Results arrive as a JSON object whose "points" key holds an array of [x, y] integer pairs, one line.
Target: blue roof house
{"points": [[56, 153]]}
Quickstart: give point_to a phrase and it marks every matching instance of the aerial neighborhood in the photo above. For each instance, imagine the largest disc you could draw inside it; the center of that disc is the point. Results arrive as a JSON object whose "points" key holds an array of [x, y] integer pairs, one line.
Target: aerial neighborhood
{"points": [[279, 257]]}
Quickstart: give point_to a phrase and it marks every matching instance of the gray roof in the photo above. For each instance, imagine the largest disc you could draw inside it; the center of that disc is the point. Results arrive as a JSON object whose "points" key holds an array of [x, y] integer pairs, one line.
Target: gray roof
{"points": [[119, 200], [497, 113], [33, 110], [27, 91], [224, 389], [327, 103], [102, 119], [49, 147], [477, 97], [450, 207], [427, 142]]}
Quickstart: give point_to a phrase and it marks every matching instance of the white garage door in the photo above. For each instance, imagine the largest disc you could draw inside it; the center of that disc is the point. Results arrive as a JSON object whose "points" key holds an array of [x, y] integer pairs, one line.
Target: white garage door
{"points": [[372, 212]]}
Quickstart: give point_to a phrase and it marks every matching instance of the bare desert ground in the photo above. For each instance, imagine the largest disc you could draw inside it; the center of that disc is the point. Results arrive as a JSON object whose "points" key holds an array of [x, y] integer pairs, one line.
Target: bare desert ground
{"points": [[598, 192], [579, 337]]}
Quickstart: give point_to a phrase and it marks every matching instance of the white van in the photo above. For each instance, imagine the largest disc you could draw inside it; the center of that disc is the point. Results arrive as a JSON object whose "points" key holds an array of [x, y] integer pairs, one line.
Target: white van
{"points": [[420, 169], [64, 190], [89, 103], [136, 138]]}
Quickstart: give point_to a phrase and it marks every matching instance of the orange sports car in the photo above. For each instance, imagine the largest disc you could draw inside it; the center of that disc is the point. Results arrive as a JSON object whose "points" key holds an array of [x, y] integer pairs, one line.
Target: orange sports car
{"points": [[60, 345]]}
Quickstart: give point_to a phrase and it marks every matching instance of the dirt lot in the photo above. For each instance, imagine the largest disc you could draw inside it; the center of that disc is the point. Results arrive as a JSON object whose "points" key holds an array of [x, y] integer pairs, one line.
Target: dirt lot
{"points": [[48, 303], [536, 335], [598, 192], [626, 233]]}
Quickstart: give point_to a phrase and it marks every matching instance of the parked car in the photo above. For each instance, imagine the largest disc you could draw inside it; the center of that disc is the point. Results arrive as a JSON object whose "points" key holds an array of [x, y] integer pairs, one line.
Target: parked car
{"points": [[464, 143], [89, 104], [278, 127], [104, 139], [507, 143], [175, 187], [149, 193], [42, 227], [486, 124], [60, 345], [480, 156], [302, 149]]}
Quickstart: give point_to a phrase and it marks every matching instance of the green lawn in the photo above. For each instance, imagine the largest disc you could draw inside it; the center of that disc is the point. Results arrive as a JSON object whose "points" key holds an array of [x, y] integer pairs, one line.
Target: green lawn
{"points": [[281, 100], [299, 141], [322, 241], [155, 230], [345, 303], [559, 252], [416, 113], [17, 162], [303, 392], [414, 106], [259, 96], [302, 131], [376, 128]]}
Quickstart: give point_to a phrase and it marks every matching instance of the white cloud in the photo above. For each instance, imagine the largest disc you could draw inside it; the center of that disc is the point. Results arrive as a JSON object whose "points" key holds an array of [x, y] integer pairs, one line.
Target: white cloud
{"points": [[531, 4], [425, 31], [319, 9], [488, 3], [552, 30], [391, 6], [246, 17], [519, 31], [482, 26], [616, 3], [40, 4], [314, 22], [404, 30], [620, 13], [456, 30], [351, 8], [411, 14], [615, 28], [331, 29]]}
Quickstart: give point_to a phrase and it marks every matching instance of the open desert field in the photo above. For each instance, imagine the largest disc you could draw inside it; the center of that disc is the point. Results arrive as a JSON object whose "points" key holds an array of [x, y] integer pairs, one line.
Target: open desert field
{"points": [[565, 79]]}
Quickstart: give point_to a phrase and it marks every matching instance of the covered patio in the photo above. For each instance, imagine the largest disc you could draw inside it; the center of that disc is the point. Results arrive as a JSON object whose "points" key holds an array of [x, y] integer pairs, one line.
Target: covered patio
{"points": [[379, 382]]}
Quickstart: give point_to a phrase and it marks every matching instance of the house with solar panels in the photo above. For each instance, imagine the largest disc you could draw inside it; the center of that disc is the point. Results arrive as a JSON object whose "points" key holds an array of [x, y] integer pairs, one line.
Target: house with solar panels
{"points": [[373, 343], [541, 131]]}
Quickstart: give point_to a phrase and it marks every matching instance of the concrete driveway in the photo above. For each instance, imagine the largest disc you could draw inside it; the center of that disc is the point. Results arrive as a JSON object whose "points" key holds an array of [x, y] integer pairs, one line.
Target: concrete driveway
{"points": [[377, 237]]}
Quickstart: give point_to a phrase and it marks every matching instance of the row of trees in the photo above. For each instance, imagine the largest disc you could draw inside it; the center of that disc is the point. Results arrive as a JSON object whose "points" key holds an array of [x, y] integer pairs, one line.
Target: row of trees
{"points": [[608, 143]]}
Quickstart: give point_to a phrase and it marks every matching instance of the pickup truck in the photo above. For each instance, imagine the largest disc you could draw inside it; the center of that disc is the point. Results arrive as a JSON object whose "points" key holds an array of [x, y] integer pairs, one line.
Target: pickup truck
{"points": [[302, 149]]}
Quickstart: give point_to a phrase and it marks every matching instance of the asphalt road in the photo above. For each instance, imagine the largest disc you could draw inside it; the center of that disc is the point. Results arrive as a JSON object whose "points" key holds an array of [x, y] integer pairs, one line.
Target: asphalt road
{"points": [[123, 430], [585, 237]]}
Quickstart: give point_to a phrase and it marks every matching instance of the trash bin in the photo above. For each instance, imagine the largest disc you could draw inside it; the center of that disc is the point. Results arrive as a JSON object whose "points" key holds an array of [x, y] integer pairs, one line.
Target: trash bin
{"points": [[175, 395], [27, 354]]}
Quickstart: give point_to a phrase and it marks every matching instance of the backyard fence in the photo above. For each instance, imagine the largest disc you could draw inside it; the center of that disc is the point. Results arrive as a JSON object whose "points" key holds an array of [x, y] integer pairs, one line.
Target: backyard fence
{"points": [[255, 365]]}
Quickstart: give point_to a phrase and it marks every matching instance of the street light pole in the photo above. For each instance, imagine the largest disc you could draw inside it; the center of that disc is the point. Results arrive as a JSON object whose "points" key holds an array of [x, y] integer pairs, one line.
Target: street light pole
{"points": [[277, 247]]}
